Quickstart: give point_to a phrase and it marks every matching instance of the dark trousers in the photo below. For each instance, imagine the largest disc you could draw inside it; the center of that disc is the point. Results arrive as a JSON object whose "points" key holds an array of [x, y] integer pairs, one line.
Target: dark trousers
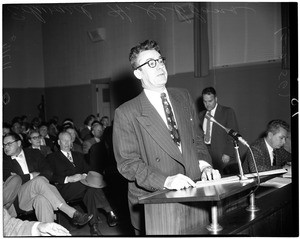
{"points": [[93, 198]]}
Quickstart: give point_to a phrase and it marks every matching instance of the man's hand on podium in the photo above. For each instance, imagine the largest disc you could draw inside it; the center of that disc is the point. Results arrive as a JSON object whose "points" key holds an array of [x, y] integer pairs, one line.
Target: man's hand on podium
{"points": [[209, 173], [179, 181]]}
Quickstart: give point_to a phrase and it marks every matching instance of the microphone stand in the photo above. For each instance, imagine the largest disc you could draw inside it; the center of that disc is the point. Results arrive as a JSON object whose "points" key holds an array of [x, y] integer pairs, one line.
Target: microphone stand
{"points": [[237, 154]]}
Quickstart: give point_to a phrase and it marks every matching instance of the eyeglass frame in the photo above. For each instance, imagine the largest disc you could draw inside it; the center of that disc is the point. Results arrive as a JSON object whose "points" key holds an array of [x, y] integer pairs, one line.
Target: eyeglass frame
{"points": [[155, 60], [36, 137], [9, 143]]}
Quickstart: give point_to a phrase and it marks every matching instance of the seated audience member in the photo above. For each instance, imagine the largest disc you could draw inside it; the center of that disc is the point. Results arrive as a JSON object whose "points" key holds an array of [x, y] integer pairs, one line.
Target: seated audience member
{"points": [[219, 143], [35, 192], [16, 227], [35, 123], [53, 128], [13, 227], [46, 139], [97, 132], [69, 168], [34, 139], [104, 121], [16, 128], [269, 153], [85, 132], [5, 128], [76, 141]]}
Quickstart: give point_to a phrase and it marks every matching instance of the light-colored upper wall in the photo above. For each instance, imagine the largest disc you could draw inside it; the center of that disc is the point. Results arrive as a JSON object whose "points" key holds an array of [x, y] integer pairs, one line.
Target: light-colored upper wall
{"points": [[23, 64], [71, 58]]}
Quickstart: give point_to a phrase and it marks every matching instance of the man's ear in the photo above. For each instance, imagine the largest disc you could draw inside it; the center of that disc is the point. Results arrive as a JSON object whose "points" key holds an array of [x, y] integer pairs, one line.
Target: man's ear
{"points": [[138, 74]]}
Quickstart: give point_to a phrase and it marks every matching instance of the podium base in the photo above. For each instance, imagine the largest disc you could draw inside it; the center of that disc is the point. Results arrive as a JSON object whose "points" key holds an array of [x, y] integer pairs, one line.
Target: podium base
{"points": [[214, 227]]}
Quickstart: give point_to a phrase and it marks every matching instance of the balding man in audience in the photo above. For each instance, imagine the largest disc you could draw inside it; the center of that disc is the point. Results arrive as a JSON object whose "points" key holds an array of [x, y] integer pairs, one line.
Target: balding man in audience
{"points": [[69, 169], [35, 192]]}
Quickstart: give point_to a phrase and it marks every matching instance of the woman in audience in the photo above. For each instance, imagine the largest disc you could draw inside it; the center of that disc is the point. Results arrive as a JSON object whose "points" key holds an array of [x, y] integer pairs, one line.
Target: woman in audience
{"points": [[34, 139]]}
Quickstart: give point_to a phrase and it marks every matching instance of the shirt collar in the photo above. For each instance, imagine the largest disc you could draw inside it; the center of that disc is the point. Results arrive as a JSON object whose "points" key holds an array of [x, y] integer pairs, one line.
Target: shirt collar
{"points": [[20, 155]]}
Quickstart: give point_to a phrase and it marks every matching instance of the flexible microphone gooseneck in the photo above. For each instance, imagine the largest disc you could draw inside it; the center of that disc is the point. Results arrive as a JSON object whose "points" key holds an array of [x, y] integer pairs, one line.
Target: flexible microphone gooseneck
{"points": [[230, 132]]}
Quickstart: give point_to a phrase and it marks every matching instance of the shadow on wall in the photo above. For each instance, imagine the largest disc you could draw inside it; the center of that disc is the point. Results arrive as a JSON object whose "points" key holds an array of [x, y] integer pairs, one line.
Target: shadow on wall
{"points": [[124, 87]]}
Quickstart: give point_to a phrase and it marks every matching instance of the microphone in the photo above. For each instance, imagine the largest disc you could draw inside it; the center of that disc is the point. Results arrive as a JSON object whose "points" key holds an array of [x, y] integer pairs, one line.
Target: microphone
{"points": [[230, 132]]}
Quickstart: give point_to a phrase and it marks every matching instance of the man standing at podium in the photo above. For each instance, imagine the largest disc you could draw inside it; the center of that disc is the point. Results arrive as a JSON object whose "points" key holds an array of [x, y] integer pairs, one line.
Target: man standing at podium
{"points": [[156, 137]]}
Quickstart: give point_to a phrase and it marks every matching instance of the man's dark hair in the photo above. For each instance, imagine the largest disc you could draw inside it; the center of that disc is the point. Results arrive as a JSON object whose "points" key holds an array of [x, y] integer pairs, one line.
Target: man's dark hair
{"points": [[13, 135], [274, 125], [144, 46], [209, 91], [89, 119]]}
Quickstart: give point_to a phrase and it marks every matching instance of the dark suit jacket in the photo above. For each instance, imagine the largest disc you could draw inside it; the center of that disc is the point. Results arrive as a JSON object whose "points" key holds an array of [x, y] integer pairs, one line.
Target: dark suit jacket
{"points": [[221, 142], [62, 167], [262, 157], [45, 150], [35, 161], [145, 153]]}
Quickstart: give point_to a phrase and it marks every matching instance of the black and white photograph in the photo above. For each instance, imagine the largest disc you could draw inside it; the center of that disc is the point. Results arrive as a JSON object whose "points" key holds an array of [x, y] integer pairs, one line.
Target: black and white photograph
{"points": [[143, 118]]}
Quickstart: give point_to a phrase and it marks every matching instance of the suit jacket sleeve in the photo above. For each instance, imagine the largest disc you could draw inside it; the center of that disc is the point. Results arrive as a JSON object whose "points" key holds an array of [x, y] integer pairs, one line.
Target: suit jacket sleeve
{"points": [[198, 134], [16, 227], [128, 156]]}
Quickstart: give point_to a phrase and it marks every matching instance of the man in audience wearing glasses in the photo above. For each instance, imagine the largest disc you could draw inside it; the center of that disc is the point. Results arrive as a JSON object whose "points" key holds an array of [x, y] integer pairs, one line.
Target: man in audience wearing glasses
{"points": [[35, 192]]}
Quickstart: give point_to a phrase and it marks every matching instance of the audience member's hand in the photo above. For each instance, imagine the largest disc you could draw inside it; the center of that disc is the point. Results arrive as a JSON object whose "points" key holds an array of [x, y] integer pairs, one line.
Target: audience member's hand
{"points": [[209, 173], [179, 181], [225, 158], [74, 178], [52, 229]]}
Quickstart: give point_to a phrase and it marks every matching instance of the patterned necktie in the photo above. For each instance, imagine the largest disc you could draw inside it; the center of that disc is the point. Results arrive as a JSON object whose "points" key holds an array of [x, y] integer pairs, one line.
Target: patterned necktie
{"points": [[207, 131], [69, 156], [274, 158], [170, 119]]}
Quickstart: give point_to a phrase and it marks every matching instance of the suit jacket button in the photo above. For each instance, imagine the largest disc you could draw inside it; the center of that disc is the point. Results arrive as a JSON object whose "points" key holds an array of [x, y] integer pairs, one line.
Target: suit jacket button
{"points": [[157, 159], [193, 141]]}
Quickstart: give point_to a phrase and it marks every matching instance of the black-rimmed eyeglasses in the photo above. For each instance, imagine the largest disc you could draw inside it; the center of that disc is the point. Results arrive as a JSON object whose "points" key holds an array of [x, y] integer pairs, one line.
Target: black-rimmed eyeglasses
{"points": [[9, 143], [152, 63]]}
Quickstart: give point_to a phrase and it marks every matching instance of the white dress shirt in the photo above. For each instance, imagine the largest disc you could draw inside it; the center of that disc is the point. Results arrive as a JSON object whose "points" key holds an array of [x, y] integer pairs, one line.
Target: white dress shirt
{"points": [[212, 112], [155, 100], [22, 162], [270, 150]]}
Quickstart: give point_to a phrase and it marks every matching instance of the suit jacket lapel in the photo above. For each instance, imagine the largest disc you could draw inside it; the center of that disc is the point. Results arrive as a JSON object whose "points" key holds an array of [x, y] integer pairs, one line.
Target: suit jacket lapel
{"points": [[155, 126]]}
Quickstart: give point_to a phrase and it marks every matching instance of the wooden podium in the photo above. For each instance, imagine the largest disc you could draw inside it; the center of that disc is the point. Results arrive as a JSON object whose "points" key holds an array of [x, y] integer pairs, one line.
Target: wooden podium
{"points": [[182, 212]]}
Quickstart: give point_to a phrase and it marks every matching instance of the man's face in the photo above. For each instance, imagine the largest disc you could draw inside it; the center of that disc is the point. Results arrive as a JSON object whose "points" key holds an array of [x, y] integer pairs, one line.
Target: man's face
{"points": [[43, 131], [72, 133], [16, 128], [277, 140], [152, 78], [209, 101], [65, 142], [35, 139], [97, 131], [11, 147]]}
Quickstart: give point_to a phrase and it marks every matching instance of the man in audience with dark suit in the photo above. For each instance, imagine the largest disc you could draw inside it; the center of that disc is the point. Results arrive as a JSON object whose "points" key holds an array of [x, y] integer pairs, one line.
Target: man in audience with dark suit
{"points": [[85, 132], [36, 192], [269, 152], [69, 168], [219, 143], [156, 138], [97, 132], [47, 139]]}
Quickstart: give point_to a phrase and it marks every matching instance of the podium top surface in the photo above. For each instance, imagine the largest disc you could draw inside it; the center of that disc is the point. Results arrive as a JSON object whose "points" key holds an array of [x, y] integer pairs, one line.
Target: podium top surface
{"points": [[213, 191]]}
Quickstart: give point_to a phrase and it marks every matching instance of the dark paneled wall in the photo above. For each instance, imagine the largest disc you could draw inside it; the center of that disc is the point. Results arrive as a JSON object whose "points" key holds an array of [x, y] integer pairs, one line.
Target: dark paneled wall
{"points": [[256, 93]]}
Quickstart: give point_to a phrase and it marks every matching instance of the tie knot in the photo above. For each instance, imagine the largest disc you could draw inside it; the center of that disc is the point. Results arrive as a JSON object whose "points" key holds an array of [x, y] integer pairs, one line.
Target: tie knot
{"points": [[163, 95]]}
